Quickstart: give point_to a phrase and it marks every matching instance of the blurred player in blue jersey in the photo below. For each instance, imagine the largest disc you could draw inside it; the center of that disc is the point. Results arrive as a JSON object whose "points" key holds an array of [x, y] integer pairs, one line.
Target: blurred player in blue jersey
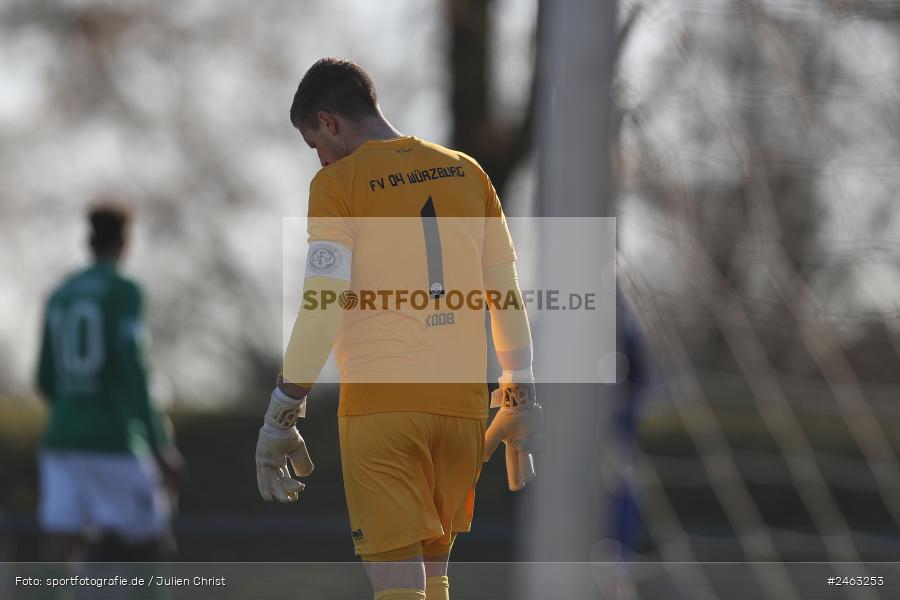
{"points": [[106, 456], [624, 513]]}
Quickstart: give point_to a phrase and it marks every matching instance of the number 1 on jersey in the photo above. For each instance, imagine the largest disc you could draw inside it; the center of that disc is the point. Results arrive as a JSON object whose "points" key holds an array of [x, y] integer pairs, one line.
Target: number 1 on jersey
{"points": [[433, 253]]}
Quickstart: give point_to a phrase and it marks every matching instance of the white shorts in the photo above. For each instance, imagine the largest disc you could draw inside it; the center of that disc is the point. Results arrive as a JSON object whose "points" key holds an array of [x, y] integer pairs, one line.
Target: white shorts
{"points": [[84, 492]]}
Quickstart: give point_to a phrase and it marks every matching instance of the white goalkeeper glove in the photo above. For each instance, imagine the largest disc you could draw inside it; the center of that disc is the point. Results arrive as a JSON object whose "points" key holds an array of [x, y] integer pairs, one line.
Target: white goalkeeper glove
{"points": [[518, 424], [280, 442]]}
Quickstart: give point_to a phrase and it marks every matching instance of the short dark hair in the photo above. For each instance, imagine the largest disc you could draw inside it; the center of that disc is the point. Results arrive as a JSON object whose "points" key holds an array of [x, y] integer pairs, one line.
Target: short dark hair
{"points": [[109, 221], [336, 86]]}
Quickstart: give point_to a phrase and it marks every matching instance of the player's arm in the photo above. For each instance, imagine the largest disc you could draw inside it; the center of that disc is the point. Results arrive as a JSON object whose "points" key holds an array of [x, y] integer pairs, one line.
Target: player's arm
{"points": [[318, 320], [509, 320], [46, 372], [127, 332], [310, 343], [328, 271], [518, 423]]}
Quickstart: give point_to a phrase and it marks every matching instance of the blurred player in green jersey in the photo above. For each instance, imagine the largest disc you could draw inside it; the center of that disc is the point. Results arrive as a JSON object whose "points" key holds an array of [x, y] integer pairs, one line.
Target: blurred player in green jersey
{"points": [[106, 457]]}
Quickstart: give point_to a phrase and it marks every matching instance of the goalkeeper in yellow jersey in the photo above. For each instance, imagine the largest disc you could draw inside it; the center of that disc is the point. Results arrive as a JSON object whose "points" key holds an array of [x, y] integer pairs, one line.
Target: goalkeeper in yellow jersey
{"points": [[420, 226]]}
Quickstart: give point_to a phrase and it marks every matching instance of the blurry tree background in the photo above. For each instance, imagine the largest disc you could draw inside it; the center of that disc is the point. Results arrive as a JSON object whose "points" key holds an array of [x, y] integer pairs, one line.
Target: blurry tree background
{"points": [[765, 134]]}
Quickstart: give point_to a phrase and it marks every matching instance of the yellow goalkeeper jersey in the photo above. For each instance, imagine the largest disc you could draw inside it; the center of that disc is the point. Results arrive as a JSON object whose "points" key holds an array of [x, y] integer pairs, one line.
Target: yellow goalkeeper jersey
{"points": [[422, 222]]}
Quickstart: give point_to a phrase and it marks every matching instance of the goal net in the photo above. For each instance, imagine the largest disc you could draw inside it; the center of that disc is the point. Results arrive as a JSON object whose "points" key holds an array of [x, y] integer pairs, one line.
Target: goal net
{"points": [[754, 147]]}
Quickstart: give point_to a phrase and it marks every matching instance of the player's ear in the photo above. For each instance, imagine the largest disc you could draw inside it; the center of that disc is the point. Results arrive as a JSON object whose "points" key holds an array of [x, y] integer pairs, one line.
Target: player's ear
{"points": [[328, 122]]}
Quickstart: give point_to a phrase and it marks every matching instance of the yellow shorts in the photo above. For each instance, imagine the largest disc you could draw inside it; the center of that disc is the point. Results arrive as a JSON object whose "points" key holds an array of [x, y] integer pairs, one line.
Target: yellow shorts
{"points": [[409, 477]]}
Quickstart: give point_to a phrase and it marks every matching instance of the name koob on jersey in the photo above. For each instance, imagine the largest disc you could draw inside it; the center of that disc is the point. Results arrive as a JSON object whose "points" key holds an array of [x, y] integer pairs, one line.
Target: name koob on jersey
{"points": [[442, 318]]}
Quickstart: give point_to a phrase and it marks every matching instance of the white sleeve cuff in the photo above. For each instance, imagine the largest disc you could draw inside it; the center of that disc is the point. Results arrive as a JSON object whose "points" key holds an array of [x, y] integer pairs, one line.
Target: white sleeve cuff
{"points": [[517, 376], [283, 410]]}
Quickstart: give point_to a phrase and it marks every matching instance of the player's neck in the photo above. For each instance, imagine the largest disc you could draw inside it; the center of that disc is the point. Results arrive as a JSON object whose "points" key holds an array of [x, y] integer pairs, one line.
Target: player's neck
{"points": [[374, 129], [107, 259]]}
